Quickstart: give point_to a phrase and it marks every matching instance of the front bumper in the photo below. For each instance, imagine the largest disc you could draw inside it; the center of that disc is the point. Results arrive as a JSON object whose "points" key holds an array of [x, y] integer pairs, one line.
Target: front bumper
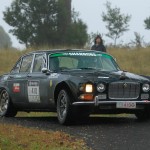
{"points": [[97, 102]]}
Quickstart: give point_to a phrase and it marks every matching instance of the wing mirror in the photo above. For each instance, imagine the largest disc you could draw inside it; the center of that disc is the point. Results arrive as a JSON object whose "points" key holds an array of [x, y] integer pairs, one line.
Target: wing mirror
{"points": [[45, 70]]}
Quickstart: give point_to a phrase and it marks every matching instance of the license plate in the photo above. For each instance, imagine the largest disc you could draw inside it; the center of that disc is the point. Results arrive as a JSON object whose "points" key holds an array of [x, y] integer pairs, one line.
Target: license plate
{"points": [[128, 105]]}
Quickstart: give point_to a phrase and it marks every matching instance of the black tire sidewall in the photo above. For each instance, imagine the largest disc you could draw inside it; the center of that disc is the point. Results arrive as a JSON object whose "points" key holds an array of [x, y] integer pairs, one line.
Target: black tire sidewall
{"points": [[4, 113], [11, 111], [65, 120]]}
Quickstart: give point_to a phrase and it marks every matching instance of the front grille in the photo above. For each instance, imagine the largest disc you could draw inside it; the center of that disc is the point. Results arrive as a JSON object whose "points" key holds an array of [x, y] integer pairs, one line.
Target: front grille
{"points": [[124, 90]]}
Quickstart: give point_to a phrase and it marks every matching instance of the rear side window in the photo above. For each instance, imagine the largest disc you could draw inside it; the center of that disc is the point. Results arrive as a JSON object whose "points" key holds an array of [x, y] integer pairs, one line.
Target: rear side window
{"points": [[39, 62], [26, 63]]}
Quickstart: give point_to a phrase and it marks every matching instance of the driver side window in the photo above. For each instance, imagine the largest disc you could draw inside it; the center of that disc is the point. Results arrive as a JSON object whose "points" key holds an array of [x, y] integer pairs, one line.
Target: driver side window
{"points": [[39, 62]]}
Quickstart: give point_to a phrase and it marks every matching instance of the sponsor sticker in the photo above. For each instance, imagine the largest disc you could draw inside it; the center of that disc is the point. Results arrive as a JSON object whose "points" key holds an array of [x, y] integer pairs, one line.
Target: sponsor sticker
{"points": [[73, 54], [16, 87], [33, 91]]}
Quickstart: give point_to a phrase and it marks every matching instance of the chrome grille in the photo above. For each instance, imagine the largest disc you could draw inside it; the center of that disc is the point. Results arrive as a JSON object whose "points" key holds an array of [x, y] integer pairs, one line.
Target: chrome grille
{"points": [[124, 90]]}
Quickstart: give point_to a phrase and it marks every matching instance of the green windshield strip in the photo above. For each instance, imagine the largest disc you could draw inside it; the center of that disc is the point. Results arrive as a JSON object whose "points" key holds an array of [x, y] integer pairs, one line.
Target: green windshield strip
{"points": [[57, 55], [107, 56], [80, 54]]}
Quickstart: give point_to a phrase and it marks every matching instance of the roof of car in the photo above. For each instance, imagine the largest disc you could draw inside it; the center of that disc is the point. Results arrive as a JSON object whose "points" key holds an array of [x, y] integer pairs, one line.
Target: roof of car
{"points": [[63, 50], [52, 51]]}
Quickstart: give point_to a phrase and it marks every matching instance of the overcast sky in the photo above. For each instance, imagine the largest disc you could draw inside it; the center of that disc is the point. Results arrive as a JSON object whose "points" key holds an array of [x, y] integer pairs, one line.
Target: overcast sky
{"points": [[90, 12]]}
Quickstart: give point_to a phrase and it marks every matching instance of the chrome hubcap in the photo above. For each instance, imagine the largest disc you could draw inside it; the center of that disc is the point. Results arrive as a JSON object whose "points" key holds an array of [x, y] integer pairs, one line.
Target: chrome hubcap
{"points": [[4, 99], [63, 106]]}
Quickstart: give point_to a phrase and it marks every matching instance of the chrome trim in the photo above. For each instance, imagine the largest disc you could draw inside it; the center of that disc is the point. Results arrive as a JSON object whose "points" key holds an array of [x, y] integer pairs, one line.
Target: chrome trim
{"points": [[125, 85], [124, 98], [96, 102]]}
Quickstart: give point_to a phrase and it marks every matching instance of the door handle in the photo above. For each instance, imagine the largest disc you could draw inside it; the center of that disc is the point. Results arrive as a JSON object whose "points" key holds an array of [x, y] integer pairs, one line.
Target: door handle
{"points": [[29, 76], [11, 77]]}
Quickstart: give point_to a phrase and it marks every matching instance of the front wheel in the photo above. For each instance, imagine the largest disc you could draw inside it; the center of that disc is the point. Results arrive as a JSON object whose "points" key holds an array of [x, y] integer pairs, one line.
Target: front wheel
{"points": [[64, 111], [6, 107]]}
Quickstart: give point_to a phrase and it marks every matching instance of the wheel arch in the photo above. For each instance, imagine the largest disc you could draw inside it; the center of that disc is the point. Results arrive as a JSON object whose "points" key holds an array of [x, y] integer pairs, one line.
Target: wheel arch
{"points": [[5, 88], [60, 86]]}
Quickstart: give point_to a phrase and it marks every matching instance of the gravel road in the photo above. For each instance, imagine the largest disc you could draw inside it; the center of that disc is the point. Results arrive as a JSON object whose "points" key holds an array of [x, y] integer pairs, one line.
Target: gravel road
{"points": [[100, 133]]}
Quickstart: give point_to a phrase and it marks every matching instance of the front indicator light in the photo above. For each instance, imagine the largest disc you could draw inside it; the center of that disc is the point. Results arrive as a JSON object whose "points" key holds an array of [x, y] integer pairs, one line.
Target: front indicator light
{"points": [[87, 97], [88, 88]]}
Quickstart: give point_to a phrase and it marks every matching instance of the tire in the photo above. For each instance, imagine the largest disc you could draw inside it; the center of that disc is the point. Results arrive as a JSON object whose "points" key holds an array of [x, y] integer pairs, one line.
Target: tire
{"points": [[64, 111], [143, 115], [6, 107]]}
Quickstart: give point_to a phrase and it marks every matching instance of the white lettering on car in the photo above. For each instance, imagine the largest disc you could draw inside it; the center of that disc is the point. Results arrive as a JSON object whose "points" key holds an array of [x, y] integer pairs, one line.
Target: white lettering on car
{"points": [[33, 92], [80, 54]]}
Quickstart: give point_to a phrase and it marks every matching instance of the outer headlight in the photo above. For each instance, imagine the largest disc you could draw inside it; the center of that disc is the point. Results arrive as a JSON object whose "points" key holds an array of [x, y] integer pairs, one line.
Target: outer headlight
{"points": [[101, 87], [146, 87], [89, 88]]}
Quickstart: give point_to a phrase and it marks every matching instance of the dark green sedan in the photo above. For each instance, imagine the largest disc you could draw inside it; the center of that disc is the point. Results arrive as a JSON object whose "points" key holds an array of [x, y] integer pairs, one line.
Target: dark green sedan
{"points": [[73, 83]]}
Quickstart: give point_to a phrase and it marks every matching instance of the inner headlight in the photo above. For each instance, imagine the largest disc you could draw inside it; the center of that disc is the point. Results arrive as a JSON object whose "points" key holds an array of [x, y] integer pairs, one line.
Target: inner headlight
{"points": [[146, 87], [89, 88], [101, 87]]}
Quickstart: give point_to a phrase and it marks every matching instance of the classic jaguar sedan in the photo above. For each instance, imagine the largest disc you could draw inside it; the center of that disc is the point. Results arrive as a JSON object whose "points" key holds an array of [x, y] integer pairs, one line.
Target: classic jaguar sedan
{"points": [[73, 83]]}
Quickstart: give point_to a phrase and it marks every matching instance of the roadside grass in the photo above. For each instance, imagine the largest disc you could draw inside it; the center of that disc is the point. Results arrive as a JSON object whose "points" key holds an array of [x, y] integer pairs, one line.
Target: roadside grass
{"points": [[135, 61], [51, 114], [21, 138], [8, 58], [36, 114]]}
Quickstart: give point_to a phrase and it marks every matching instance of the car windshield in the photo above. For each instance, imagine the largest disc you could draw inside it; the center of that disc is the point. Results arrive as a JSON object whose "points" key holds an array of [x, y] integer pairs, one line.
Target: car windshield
{"points": [[81, 61]]}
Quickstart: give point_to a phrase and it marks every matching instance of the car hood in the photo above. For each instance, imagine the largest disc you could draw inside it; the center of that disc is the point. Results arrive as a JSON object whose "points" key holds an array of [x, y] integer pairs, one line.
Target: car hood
{"points": [[108, 76]]}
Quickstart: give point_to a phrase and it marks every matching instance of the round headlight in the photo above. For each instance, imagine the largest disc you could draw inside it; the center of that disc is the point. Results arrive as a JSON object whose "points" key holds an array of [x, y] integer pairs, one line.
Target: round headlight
{"points": [[101, 87], [146, 87]]}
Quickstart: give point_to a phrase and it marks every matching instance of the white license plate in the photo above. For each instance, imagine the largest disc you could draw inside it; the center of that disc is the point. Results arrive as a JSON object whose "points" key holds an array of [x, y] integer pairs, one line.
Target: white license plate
{"points": [[128, 105]]}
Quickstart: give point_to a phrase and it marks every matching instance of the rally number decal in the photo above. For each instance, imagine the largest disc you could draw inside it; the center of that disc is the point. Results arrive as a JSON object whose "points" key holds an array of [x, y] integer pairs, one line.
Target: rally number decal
{"points": [[33, 92]]}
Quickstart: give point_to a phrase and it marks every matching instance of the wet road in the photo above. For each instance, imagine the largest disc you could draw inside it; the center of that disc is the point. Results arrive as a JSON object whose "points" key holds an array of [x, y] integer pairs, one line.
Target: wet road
{"points": [[100, 133]]}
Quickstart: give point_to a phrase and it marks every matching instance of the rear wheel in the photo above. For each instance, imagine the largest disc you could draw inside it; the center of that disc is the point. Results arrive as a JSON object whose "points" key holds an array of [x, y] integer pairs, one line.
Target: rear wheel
{"points": [[64, 111], [6, 107]]}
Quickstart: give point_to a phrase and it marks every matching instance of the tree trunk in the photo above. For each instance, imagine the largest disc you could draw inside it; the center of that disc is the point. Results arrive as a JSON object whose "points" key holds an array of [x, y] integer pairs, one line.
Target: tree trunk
{"points": [[64, 18]]}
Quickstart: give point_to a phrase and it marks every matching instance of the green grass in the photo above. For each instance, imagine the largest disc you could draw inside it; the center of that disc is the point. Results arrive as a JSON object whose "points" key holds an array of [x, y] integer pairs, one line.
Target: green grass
{"points": [[135, 61], [36, 114]]}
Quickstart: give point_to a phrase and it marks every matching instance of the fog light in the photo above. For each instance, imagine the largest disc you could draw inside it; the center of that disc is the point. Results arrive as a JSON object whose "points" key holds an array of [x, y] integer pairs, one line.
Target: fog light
{"points": [[103, 96], [144, 96]]}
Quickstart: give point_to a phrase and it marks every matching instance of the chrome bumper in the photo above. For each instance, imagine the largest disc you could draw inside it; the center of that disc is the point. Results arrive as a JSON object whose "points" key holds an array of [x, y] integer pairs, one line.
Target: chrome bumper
{"points": [[97, 102]]}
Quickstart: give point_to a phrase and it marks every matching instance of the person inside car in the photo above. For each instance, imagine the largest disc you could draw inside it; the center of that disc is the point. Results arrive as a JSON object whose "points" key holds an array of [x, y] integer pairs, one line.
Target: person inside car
{"points": [[98, 44], [54, 64]]}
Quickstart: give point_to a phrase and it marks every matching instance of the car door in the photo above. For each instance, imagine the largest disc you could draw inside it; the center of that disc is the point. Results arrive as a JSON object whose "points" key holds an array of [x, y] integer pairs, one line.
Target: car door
{"points": [[38, 83], [17, 81]]}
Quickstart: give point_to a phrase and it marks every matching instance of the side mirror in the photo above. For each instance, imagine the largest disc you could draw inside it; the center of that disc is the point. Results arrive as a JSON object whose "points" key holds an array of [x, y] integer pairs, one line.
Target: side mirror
{"points": [[45, 70]]}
